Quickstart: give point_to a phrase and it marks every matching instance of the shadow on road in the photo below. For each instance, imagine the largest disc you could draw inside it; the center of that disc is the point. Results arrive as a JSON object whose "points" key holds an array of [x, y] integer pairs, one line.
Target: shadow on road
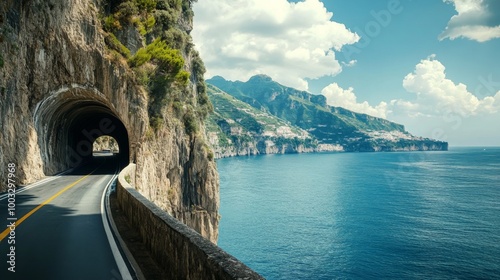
{"points": [[61, 242], [102, 164], [58, 243]]}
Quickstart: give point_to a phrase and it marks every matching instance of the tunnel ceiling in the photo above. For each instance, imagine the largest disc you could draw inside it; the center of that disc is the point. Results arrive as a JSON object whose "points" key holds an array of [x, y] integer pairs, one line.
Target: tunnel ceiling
{"points": [[69, 121]]}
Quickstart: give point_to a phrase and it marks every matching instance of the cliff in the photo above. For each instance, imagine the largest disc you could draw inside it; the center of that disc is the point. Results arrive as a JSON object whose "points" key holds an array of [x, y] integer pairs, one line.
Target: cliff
{"points": [[236, 129], [262, 116], [74, 70]]}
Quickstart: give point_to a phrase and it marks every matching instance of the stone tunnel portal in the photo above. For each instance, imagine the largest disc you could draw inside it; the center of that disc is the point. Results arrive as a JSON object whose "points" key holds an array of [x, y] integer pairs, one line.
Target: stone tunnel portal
{"points": [[69, 121], [91, 122]]}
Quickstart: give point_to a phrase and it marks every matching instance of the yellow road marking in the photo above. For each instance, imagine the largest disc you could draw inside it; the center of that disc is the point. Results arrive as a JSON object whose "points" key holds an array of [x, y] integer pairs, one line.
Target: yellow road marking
{"points": [[18, 222]]}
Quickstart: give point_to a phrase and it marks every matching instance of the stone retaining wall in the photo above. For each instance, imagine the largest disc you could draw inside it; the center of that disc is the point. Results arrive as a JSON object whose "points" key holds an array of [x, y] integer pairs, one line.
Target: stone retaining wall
{"points": [[178, 249]]}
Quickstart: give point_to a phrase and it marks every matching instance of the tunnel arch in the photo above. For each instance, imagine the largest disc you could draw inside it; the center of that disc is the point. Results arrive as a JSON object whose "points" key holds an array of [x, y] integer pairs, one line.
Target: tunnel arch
{"points": [[68, 122], [105, 143]]}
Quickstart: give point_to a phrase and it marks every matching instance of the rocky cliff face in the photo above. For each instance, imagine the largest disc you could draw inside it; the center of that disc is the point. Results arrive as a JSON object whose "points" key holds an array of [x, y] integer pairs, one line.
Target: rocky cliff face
{"points": [[238, 129], [63, 84]]}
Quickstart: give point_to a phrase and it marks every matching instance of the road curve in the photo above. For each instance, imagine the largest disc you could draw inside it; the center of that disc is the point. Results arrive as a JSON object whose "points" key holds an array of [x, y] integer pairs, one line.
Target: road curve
{"points": [[61, 233]]}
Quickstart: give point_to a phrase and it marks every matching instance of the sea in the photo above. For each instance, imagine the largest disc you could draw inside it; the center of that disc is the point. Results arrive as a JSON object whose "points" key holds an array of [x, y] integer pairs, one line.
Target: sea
{"points": [[394, 215]]}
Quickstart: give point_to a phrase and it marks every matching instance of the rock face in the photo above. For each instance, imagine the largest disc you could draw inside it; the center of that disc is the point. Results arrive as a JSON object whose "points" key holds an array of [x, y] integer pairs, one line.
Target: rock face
{"points": [[307, 123], [61, 87], [238, 129]]}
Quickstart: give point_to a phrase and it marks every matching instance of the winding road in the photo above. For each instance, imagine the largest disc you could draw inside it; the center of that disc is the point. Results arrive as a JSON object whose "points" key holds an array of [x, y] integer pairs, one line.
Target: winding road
{"points": [[62, 230]]}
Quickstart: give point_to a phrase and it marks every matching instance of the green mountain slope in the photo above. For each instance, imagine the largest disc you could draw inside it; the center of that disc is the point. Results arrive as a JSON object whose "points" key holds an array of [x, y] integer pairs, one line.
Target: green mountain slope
{"points": [[236, 128], [327, 124]]}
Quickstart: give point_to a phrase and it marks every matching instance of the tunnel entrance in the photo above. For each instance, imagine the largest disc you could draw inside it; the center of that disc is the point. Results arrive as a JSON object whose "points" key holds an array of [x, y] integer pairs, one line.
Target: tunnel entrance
{"points": [[105, 145], [69, 122]]}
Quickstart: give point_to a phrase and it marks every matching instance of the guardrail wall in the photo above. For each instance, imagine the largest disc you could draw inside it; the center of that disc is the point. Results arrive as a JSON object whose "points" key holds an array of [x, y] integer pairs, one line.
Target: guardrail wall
{"points": [[179, 250]]}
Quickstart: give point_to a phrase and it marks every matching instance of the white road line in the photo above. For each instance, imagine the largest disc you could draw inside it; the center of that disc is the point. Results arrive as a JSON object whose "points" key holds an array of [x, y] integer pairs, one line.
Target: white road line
{"points": [[122, 267]]}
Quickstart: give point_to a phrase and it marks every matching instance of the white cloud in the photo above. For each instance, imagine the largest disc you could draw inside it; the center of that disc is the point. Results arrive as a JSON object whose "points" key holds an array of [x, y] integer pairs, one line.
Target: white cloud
{"points": [[287, 41], [478, 32], [346, 98], [350, 63], [442, 109], [438, 95], [476, 20]]}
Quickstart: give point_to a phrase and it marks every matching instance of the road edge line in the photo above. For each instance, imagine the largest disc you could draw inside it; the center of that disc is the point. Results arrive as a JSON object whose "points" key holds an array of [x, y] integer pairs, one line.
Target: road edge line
{"points": [[111, 233]]}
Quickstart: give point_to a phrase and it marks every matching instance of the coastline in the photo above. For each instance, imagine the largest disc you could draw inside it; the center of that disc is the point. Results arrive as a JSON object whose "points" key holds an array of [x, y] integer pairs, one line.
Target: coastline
{"points": [[253, 150]]}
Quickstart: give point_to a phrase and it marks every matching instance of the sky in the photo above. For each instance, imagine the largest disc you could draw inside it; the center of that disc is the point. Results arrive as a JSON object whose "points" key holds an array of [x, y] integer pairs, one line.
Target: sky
{"points": [[431, 65]]}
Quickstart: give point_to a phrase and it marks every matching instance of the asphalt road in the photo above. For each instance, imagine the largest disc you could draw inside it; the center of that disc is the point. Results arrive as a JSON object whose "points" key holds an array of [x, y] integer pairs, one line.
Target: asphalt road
{"points": [[61, 233]]}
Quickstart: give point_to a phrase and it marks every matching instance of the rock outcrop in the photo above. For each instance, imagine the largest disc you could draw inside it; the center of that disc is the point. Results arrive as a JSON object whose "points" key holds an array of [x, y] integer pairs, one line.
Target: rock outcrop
{"points": [[62, 85]]}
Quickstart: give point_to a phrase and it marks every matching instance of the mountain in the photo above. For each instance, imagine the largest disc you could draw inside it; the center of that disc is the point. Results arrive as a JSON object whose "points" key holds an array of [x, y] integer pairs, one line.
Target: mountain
{"points": [[236, 128], [252, 110]]}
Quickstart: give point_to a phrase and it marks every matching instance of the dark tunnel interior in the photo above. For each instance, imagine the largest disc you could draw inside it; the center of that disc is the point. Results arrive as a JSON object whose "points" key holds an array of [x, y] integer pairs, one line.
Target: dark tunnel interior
{"points": [[70, 122], [89, 122]]}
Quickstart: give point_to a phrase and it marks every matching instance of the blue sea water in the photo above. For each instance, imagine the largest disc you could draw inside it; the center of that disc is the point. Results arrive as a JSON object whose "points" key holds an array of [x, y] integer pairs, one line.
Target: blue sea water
{"points": [[418, 215]]}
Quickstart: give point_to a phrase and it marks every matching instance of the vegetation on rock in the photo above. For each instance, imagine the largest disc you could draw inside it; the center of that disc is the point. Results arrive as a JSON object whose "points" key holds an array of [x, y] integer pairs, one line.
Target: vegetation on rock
{"points": [[236, 126], [160, 64]]}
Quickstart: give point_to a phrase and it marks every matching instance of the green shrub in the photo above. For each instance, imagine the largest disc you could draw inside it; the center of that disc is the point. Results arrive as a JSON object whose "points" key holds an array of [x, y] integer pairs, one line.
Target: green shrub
{"points": [[189, 45], [175, 38], [177, 105], [169, 61], [201, 89], [190, 122], [156, 122], [169, 4], [166, 19], [162, 5], [111, 23], [150, 135], [137, 12], [139, 25], [148, 5], [116, 45], [142, 76], [186, 8], [182, 78], [141, 56], [150, 23], [202, 96], [210, 154], [205, 106], [126, 10], [144, 26], [198, 66], [1, 61], [115, 56]]}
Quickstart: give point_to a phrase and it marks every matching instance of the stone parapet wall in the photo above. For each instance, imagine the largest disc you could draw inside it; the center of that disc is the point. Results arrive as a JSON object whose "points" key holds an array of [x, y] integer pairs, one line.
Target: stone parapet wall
{"points": [[179, 250]]}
